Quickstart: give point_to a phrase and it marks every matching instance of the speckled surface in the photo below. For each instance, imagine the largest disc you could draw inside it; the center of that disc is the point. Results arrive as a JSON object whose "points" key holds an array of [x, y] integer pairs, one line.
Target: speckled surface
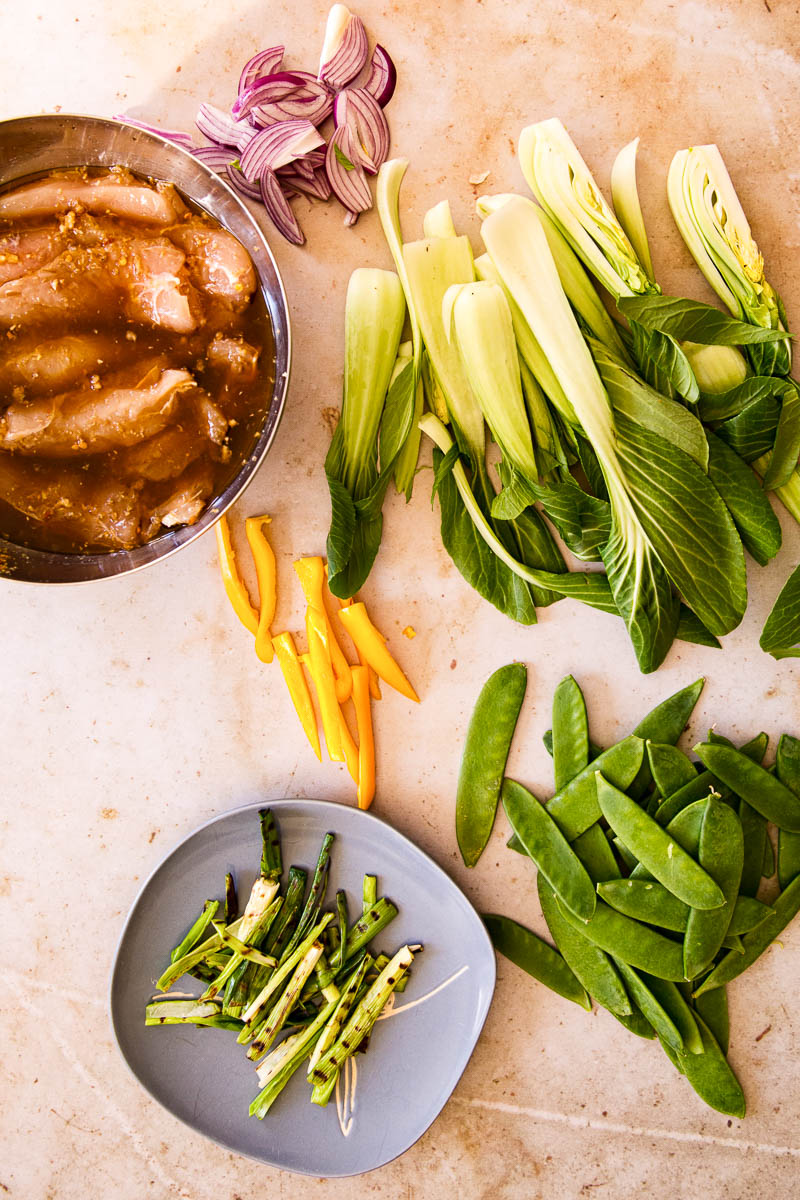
{"points": [[135, 709]]}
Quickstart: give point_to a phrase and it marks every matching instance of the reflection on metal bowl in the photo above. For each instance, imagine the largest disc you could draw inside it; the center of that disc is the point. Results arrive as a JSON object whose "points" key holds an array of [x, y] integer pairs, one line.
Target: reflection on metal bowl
{"points": [[31, 146]]}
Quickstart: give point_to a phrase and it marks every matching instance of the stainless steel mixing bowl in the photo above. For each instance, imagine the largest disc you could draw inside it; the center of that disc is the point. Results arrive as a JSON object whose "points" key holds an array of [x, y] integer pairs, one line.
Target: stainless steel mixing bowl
{"points": [[32, 145]]}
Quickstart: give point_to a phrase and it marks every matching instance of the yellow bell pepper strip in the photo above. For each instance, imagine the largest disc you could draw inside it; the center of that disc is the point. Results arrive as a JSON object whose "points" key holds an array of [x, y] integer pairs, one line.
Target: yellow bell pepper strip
{"points": [[322, 674], [351, 754], [366, 739], [290, 664], [266, 573], [371, 646], [311, 573], [374, 682], [234, 584]]}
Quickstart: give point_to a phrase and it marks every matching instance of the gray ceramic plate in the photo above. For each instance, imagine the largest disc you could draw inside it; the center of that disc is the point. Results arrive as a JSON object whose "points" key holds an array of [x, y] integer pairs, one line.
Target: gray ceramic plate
{"points": [[415, 1058]]}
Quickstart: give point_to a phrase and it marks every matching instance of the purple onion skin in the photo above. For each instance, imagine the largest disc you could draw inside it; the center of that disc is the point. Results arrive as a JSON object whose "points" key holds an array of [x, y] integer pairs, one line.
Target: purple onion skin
{"points": [[251, 191], [382, 77], [359, 111], [349, 184], [263, 63], [278, 209]]}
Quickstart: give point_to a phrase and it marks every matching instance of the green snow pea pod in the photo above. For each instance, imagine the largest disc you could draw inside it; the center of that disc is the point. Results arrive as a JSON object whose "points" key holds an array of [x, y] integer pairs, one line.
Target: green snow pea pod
{"points": [[483, 763], [762, 791], [672, 999], [696, 789], [786, 906], [670, 768], [754, 830], [768, 862], [645, 900], [547, 739], [663, 1025], [748, 914], [665, 723], [570, 732], [711, 1076], [713, 1009], [593, 850], [546, 845], [787, 768], [590, 965], [721, 855], [637, 1023], [629, 859], [659, 853], [635, 943], [685, 829], [574, 808], [535, 956]]}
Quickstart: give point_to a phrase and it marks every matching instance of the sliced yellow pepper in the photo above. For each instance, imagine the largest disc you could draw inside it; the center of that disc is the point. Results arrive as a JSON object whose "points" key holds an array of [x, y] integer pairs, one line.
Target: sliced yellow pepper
{"points": [[351, 754], [371, 646], [290, 664], [374, 683], [234, 584], [311, 573], [322, 674], [366, 738], [266, 573]]}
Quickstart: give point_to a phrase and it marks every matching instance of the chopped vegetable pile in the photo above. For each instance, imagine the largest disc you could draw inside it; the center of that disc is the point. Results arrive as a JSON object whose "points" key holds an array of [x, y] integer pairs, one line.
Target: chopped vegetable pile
{"points": [[335, 680], [285, 964], [270, 148], [656, 874], [631, 436]]}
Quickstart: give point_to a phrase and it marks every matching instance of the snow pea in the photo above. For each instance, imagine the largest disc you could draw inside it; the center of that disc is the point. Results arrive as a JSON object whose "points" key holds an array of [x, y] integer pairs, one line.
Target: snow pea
{"points": [[535, 956], [665, 723], [673, 999], [574, 808], [711, 1076], [697, 788], [670, 768], [661, 1022], [546, 845], [685, 829], [645, 900], [787, 768], [547, 740], [570, 732], [786, 906], [590, 965], [721, 855], [762, 791], [713, 1009], [748, 914], [635, 943], [483, 763], [754, 829], [660, 854], [637, 1023], [768, 863], [628, 857], [593, 850]]}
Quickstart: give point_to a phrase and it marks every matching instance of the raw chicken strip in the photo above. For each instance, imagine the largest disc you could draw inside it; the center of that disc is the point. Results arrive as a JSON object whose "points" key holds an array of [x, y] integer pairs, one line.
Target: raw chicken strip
{"points": [[235, 357], [211, 420], [55, 365], [72, 286], [135, 202], [161, 457], [91, 422], [218, 264], [69, 503], [156, 286], [186, 500], [26, 251]]}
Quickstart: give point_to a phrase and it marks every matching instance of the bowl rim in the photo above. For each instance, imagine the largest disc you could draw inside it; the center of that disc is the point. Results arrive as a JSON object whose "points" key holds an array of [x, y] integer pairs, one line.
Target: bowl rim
{"points": [[24, 564]]}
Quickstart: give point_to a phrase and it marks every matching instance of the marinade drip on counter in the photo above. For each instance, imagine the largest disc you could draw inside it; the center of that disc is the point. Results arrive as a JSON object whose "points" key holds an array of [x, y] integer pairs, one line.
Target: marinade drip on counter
{"points": [[136, 360]]}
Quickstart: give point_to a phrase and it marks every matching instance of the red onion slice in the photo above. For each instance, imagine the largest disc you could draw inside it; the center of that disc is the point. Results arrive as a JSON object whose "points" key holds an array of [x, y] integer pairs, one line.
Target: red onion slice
{"points": [[268, 88], [314, 184], [169, 135], [382, 77], [277, 146], [345, 173], [369, 131], [345, 48], [278, 209], [215, 157], [350, 218], [313, 101], [241, 185], [263, 63], [219, 127]]}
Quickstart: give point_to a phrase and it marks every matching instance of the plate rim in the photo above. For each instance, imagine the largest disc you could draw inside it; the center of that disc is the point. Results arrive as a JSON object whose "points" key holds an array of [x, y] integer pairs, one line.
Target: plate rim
{"points": [[332, 805]]}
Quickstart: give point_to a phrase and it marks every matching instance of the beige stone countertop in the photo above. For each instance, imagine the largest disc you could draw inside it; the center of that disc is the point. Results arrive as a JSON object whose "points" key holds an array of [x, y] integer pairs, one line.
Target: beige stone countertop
{"points": [[134, 709]]}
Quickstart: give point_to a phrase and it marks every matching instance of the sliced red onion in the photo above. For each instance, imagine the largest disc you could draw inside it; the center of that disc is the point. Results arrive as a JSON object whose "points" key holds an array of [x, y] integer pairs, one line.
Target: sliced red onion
{"points": [[316, 157], [350, 218], [268, 88], [317, 185], [214, 157], [263, 63], [345, 173], [219, 127], [382, 76], [169, 135], [277, 146], [313, 101], [241, 185], [369, 131], [278, 209], [345, 49]]}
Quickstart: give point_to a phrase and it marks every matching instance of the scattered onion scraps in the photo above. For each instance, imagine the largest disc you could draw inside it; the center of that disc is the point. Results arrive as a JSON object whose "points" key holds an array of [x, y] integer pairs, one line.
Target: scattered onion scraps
{"points": [[336, 681], [270, 148]]}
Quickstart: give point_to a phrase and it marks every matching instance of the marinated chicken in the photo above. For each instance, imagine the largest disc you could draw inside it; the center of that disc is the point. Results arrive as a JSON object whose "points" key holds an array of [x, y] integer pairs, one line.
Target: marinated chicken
{"points": [[136, 358]]}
